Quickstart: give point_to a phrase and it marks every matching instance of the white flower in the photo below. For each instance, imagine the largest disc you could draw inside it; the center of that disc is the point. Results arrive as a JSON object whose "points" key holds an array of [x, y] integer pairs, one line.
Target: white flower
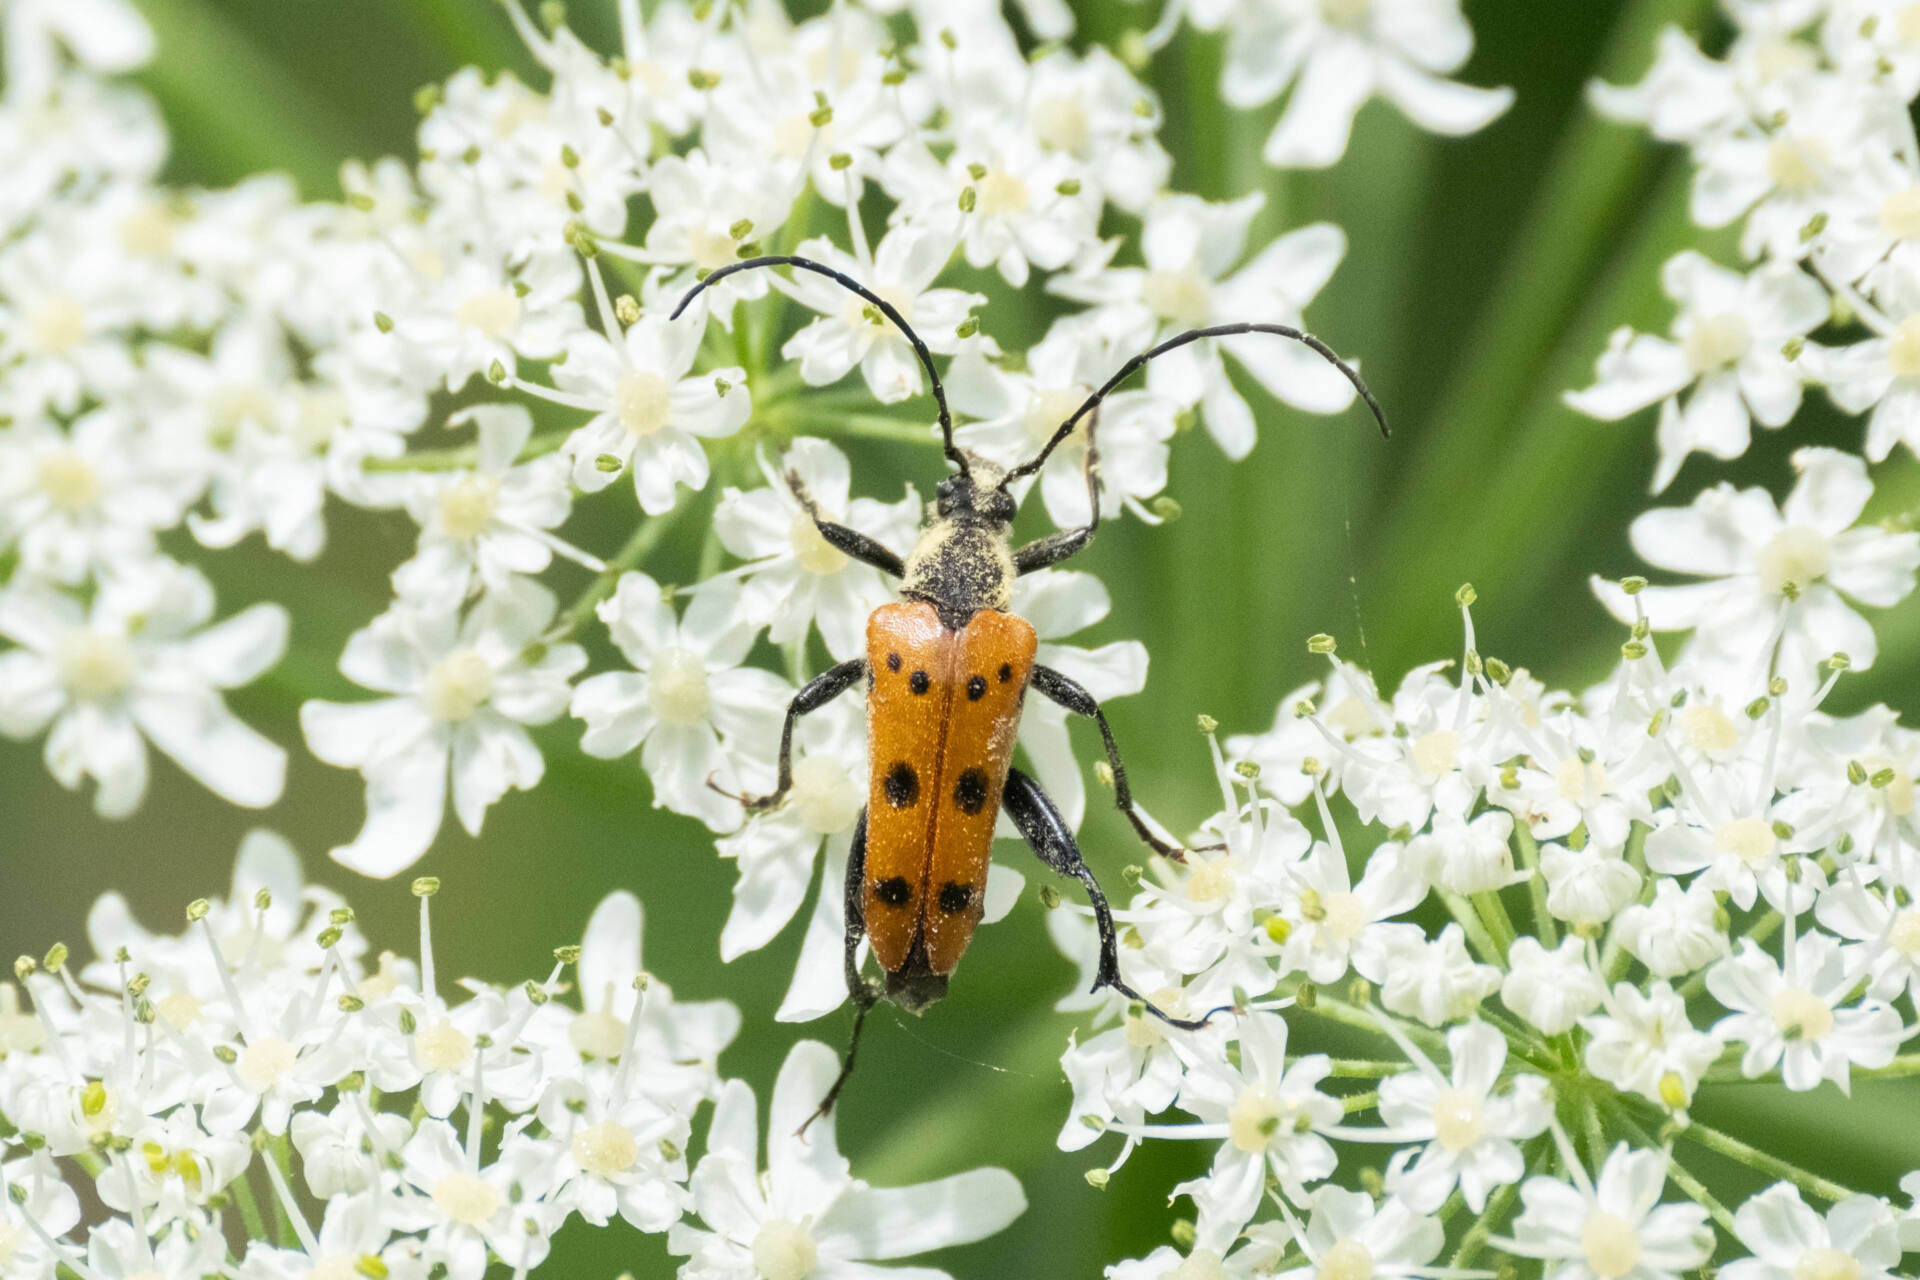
{"points": [[1793, 1015], [1551, 989], [1676, 933], [139, 660], [481, 313], [806, 1215], [1775, 573], [1857, 1240], [1472, 1134], [1587, 886], [461, 690], [686, 694], [1726, 345], [650, 410], [853, 332], [1466, 857], [1335, 922], [1614, 1228], [1436, 981], [1645, 1043], [1337, 56], [470, 1209]]}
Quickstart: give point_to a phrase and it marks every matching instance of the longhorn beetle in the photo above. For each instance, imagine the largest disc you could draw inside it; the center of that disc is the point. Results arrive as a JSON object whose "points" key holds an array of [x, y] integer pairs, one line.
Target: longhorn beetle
{"points": [[947, 669]]}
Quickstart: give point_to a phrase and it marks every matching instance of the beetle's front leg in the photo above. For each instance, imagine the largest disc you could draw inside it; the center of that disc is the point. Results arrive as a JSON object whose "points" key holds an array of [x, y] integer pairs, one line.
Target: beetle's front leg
{"points": [[850, 542], [813, 695], [1048, 835], [1067, 693], [1055, 547]]}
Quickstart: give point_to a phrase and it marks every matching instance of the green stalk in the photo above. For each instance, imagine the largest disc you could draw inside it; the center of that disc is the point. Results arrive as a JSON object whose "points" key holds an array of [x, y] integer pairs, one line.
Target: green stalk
{"points": [[460, 457], [243, 1196], [1545, 927], [1497, 1206], [1695, 1189], [1754, 1158], [1494, 912], [1469, 919], [644, 540]]}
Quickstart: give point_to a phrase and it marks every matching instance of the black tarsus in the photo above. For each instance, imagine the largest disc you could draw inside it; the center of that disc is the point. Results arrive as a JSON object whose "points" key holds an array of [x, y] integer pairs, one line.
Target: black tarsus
{"points": [[1064, 691], [813, 695], [885, 308], [1051, 840], [1055, 547], [863, 994], [847, 541], [1139, 362]]}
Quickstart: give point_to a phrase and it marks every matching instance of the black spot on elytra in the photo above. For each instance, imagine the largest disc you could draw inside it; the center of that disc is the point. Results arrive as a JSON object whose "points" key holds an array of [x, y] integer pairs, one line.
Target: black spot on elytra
{"points": [[902, 785], [970, 791], [955, 897], [976, 688], [893, 891], [918, 682], [893, 662], [1006, 672]]}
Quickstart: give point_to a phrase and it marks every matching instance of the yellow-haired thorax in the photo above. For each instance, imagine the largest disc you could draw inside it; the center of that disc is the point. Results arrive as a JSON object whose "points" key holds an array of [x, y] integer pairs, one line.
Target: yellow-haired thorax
{"points": [[963, 561]]}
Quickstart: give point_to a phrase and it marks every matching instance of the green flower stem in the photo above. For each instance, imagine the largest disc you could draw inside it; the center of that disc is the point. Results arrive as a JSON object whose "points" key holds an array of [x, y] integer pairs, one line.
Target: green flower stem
{"points": [[1754, 1158], [462, 456], [1695, 1189], [1497, 1206], [1351, 1015], [1469, 919], [879, 426], [1362, 1101], [1544, 925], [1365, 1068], [644, 540], [1494, 913], [242, 1191]]}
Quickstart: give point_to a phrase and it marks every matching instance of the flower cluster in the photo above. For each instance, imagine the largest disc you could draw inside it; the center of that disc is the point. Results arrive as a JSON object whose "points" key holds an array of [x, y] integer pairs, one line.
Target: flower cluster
{"points": [[179, 1092]]}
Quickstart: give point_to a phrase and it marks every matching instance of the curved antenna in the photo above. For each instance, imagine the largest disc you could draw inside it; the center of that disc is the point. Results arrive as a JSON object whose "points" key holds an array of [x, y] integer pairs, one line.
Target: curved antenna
{"points": [[1139, 362], [885, 308]]}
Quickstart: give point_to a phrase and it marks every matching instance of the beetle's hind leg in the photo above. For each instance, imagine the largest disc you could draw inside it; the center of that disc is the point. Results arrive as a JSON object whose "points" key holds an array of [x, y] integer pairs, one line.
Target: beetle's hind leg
{"points": [[850, 542], [1060, 689], [864, 994], [1047, 834]]}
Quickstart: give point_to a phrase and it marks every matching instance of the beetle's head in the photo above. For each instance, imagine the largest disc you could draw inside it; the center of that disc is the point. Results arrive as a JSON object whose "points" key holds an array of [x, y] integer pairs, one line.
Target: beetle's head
{"points": [[978, 494], [914, 986]]}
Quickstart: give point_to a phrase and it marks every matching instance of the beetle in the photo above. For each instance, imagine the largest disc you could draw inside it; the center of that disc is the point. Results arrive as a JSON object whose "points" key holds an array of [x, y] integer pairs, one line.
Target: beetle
{"points": [[947, 670]]}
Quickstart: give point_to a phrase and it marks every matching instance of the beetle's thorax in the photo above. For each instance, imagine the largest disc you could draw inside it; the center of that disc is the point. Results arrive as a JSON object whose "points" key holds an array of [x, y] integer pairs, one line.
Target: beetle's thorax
{"points": [[963, 562]]}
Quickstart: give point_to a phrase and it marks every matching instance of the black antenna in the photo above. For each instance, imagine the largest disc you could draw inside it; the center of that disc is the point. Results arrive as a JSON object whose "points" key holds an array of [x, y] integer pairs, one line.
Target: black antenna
{"points": [[1139, 362], [885, 308]]}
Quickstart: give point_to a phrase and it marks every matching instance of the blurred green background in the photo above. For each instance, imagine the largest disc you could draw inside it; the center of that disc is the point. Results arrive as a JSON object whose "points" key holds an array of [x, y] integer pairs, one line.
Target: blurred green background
{"points": [[1482, 279]]}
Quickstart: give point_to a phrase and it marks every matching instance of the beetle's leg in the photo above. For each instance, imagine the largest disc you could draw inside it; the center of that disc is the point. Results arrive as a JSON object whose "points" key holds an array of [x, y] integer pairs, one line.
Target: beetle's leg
{"points": [[864, 994], [1047, 834], [813, 695], [1070, 695], [1056, 547], [849, 542]]}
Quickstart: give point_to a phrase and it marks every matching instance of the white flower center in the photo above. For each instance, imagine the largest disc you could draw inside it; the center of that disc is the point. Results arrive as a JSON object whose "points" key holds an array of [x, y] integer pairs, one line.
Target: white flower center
{"points": [[229, 407], [1908, 24], [1798, 555], [1254, 1118], [19, 1032], [1800, 1014], [605, 1149], [1048, 408], [9, 1244], [1347, 13], [1715, 342], [1903, 349], [467, 506], [791, 136], [1201, 1264], [1346, 1260], [466, 1198], [250, 946], [442, 1047], [1794, 163], [709, 250], [677, 686], [95, 665], [68, 480], [862, 316], [556, 180], [1900, 214], [1060, 123], [1144, 1031], [1002, 193], [1211, 881], [58, 323], [814, 553], [1708, 729], [1611, 1245], [321, 412], [1435, 753], [494, 313], [825, 794], [1897, 795], [1580, 780], [844, 69], [1749, 839], [784, 1250], [642, 401], [598, 1035], [1459, 1121], [147, 232], [458, 685], [1826, 1264], [1345, 916], [179, 1010], [338, 1267], [263, 1062], [146, 1275], [1904, 936], [1183, 297], [1781, 57], [1351, 718]]}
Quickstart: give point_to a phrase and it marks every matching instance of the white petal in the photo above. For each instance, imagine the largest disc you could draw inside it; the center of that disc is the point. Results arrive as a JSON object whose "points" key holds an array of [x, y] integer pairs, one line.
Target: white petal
{"points": [[898, 1222]]}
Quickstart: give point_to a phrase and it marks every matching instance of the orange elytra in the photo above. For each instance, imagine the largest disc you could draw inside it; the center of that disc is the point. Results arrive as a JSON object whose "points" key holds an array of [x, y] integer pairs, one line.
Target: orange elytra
{"points": [[947, 671]]}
